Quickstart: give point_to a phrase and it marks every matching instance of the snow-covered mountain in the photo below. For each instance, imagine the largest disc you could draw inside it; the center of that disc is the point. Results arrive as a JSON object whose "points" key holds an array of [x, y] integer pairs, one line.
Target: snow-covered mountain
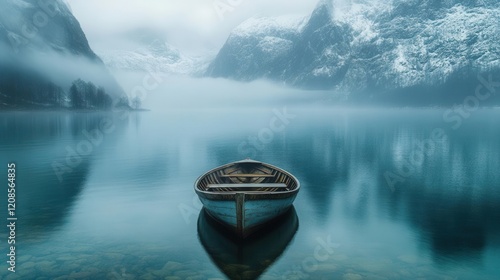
{"points": [[43, 51], [157, 56], [370, 45], [259, 47]]}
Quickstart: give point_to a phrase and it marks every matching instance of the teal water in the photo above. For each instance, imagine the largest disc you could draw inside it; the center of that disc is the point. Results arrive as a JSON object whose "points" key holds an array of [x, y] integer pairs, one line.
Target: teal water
{"points": [[386, 194]]}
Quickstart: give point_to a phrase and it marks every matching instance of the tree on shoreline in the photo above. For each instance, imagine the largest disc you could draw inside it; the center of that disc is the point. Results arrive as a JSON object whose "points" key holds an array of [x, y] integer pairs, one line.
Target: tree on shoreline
{"points": [[85, 95]]}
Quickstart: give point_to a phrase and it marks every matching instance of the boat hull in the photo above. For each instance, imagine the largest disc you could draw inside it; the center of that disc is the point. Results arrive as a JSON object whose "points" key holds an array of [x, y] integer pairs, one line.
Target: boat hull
{"points": [[255, 213]]}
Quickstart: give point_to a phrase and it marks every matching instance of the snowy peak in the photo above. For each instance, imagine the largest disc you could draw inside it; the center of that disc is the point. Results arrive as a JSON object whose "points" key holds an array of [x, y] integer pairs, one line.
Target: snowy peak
{"points": [[323, 7], [321, 15], [163, 49], [157, 56], [370, 45], [362, 16], [42, 26], [266, 26]]}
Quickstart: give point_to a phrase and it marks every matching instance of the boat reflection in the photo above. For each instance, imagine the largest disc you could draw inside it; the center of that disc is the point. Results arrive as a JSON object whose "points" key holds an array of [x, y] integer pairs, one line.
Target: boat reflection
{"points": [[246, 258]]}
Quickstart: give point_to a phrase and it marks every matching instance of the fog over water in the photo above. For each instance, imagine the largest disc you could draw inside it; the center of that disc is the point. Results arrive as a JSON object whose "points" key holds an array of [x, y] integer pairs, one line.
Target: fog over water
{"points": [[127, 204], [163, 92]]}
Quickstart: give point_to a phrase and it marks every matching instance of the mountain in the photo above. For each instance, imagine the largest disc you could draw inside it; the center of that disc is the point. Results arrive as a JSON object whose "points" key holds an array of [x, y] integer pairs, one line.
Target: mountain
{"points": [[392, 51], [157, 56], [258, 48], [43, 53]]}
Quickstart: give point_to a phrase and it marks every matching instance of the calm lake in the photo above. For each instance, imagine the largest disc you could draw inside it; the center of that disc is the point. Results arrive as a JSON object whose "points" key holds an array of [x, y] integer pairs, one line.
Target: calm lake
{"points": [[386, 193]]}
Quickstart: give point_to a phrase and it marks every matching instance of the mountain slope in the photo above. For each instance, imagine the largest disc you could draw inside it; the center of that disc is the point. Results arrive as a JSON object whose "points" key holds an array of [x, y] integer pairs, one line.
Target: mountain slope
{"points": [[43, 50], [257, 48], [157, 56], [372, 46]]}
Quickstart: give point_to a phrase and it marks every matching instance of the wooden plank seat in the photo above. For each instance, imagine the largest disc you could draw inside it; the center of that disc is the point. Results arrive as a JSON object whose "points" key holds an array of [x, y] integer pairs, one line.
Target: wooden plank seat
{"points": [[247, 175], [248, 186]]}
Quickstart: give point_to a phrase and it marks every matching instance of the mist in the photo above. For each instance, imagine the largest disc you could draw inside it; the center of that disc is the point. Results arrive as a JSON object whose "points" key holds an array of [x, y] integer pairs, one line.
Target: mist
{"points": [[64, 69], [194, 26], [61, 69], [160, 92]]}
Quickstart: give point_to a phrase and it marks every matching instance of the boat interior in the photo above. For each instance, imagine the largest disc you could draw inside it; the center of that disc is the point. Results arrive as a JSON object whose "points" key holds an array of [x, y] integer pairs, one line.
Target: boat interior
{"points": [[248, 177]]}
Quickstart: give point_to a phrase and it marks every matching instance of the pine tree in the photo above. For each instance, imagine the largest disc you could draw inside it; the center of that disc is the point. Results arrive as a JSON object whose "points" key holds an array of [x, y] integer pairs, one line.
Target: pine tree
{"points": [[76, 93], [103, 101], [86, 95]]}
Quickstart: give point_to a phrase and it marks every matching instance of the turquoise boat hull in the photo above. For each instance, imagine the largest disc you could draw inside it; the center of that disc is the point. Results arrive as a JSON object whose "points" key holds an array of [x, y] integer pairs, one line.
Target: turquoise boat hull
{"points": [[255, 212]]}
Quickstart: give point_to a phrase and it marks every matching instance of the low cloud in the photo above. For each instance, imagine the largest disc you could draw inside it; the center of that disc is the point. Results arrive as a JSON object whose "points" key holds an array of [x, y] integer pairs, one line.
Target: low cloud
{"points": [[59, 68], [191, 25]]}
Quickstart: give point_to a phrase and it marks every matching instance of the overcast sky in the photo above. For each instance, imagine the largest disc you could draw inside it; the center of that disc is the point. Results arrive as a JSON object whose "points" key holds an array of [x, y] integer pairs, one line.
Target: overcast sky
{"points": [[191, 25]]}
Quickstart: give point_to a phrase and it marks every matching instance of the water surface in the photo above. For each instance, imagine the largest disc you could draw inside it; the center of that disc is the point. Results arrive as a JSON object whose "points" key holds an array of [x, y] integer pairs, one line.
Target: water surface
{"points": [[386, 207]]}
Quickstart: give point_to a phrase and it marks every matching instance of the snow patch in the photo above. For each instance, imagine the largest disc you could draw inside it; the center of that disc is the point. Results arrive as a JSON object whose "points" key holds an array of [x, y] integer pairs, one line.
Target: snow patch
{"points": [[158, 57], [324, 71], [265, 26], [360, 15], [275, 46], [458, 22], [329, 52], [401, 62]]}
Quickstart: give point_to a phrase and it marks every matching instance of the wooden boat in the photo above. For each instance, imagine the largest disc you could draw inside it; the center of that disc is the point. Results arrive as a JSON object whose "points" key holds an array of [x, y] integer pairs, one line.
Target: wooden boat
{"points": [[246, 194]]}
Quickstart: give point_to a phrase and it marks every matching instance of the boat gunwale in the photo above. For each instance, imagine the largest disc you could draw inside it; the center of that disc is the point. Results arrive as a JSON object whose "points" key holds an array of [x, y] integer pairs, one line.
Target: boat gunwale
{"points": [[229, 196], [252, 195]]}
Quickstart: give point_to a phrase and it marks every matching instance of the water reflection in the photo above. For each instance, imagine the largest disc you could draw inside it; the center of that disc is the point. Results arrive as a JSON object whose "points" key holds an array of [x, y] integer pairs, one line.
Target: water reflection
{"points": [[249, 258], [446, 211], [46, 148], [450, 198]]}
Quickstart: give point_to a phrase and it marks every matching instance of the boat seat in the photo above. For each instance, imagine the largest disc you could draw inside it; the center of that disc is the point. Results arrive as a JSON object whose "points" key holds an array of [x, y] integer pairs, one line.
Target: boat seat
{"points": [[248, 186], [247, 175]]}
